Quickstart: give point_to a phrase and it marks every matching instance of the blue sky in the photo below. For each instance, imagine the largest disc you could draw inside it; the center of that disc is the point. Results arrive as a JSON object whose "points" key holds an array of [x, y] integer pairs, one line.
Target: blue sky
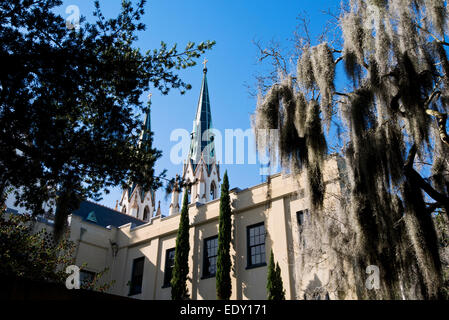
{"points": [[234, 25]]}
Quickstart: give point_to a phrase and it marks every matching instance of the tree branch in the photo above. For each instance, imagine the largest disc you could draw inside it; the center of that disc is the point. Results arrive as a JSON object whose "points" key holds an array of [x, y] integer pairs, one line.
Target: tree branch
{"points": [[418, 181], [441, 119]]}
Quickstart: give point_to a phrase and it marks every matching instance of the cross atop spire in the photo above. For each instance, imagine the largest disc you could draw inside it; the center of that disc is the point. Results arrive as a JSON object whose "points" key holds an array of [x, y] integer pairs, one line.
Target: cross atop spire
{"points": [[204, 64]]}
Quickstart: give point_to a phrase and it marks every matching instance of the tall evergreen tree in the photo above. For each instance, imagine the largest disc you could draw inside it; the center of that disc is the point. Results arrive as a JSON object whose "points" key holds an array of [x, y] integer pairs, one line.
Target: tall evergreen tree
{"points": [[275, 287], [223, 277], [179, 289]]}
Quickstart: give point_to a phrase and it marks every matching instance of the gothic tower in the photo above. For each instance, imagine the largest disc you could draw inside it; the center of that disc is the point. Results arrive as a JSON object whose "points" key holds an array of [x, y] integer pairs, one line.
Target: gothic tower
{"points": [[134, 201], [200, 168]]}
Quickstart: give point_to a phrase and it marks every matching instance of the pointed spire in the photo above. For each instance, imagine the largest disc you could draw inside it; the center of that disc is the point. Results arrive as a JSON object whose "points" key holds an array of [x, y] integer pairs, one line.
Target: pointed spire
{"points": [[202, 125], [145, 136], [146, 133]]}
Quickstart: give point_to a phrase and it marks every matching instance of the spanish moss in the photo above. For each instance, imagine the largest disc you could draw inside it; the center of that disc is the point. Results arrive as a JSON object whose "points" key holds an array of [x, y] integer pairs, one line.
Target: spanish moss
{"points": [[394, 135]]}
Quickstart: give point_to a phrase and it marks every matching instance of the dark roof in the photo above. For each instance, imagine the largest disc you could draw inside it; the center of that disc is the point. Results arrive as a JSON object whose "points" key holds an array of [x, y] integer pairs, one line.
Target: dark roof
{"points": [[11, 211], [104, 216]]}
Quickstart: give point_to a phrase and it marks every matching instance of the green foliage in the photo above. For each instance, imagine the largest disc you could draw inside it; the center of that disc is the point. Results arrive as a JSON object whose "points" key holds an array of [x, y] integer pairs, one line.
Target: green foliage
{"points": [[275, 287], [96, 283], [34, 256], [178, 282], [70, 103], [223, 276]]}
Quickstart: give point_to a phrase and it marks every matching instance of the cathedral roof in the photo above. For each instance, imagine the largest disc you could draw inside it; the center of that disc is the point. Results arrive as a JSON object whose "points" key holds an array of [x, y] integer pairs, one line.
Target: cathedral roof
{"points": [[104, 216]]}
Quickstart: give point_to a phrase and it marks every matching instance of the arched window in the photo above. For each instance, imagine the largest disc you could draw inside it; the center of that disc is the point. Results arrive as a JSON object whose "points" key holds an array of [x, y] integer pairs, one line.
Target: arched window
{"points": [[213, 191], [146, 212], [189, 194], [124, 210]]}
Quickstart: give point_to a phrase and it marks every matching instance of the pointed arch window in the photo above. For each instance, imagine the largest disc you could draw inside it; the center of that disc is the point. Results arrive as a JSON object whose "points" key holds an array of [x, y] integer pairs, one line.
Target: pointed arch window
{"points": [[213, 191], [189, 194], [146, 212]]}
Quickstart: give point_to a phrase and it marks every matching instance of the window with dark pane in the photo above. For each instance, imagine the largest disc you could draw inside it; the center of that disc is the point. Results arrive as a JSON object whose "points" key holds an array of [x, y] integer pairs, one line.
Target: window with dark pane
{"points": [[189, 195], [210, 257], [137, 276], [146, 211], [169, 263], [300, 215], [212, 191], [256, 245]]}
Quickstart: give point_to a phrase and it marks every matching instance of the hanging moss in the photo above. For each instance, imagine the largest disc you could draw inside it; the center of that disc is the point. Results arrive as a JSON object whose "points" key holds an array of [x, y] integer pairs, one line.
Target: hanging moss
{"points": [[353, 35], [300, 113], [436, 15], [315, 186], [441, 53], [423, 237], [316, 152], [413, 89], [382, 48], [352, 67], [292, 146], [394, 68], [267, 112], [324, 73], [316, 141], [359, 113], [305, 74]]}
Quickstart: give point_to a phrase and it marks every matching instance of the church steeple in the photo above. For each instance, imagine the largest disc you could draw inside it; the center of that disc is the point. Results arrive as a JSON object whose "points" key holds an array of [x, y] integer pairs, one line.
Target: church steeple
{"points": [[201, 169], [202, 138], [135, 201], [145, 136]]}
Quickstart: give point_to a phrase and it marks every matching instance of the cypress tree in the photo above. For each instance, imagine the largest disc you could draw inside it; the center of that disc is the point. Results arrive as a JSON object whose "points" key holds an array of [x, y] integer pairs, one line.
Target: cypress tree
{"points": [[275, 287], [181, 267], [223, 277], [280, 285]]}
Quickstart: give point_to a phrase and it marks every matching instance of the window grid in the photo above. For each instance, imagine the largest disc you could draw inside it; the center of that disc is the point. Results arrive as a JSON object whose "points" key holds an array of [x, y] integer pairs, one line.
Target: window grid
{"points": [[210, 257], [169, 263], [256, 245], [137, 276]]}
